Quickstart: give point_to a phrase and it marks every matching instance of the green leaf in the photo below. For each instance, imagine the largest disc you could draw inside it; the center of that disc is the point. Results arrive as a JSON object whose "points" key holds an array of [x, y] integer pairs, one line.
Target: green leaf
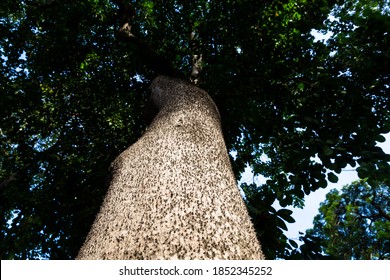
{"points": [[281, 224], [322, 183], [293, 243], [285, 214], [380, 139], [332, 177]]}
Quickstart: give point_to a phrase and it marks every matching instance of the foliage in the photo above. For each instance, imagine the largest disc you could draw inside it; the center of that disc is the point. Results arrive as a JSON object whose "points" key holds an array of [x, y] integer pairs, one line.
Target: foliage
{"points": [[294, 109], [354, 224]]}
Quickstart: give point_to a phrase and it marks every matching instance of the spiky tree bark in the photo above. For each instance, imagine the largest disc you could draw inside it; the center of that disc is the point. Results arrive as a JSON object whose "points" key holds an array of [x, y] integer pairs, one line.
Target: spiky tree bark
{"points": [[173, 194]]}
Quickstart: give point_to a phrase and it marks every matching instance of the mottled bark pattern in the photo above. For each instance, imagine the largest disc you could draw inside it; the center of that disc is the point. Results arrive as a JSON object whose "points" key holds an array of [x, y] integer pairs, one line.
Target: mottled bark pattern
{"points": [[173, 194]]}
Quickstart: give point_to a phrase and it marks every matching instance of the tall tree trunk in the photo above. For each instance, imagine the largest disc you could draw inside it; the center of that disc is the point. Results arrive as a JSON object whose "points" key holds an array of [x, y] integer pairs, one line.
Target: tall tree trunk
{"points": [[173, 194]]}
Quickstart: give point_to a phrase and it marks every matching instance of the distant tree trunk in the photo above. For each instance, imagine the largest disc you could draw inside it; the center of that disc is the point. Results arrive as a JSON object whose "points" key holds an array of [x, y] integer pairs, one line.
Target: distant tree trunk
{"points": [[173, 194]]}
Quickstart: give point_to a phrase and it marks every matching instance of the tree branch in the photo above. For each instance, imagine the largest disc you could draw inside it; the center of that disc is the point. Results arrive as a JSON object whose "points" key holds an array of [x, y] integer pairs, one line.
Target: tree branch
{"points": [[196, 62], [125, 17]]}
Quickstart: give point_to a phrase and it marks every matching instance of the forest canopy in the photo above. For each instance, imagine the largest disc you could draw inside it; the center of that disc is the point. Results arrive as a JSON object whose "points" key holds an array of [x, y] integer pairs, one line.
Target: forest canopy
{"points": [[74, 94], [353, 223]]}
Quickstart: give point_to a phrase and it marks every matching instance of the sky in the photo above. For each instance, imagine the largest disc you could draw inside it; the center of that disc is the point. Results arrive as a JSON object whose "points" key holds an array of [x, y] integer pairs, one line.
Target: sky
{"points": [[304, 217]]}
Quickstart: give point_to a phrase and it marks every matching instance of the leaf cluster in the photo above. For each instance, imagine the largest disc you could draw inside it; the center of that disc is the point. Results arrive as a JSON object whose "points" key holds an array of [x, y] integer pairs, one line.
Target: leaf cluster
{"points": [[295, 110], [353, 223]]}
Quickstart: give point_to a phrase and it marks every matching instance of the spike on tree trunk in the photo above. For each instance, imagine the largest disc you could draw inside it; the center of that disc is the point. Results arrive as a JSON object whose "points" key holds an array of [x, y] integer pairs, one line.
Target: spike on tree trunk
{"points": [[173, 194]]}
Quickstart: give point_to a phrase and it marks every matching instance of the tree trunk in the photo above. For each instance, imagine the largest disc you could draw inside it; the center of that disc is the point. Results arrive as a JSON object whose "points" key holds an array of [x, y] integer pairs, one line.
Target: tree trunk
{"points": [[173, 194]]}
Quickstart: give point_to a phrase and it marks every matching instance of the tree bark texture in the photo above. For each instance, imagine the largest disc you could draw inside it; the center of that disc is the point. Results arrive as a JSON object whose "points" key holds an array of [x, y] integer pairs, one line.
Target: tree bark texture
{"points": [[173, 194]]}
